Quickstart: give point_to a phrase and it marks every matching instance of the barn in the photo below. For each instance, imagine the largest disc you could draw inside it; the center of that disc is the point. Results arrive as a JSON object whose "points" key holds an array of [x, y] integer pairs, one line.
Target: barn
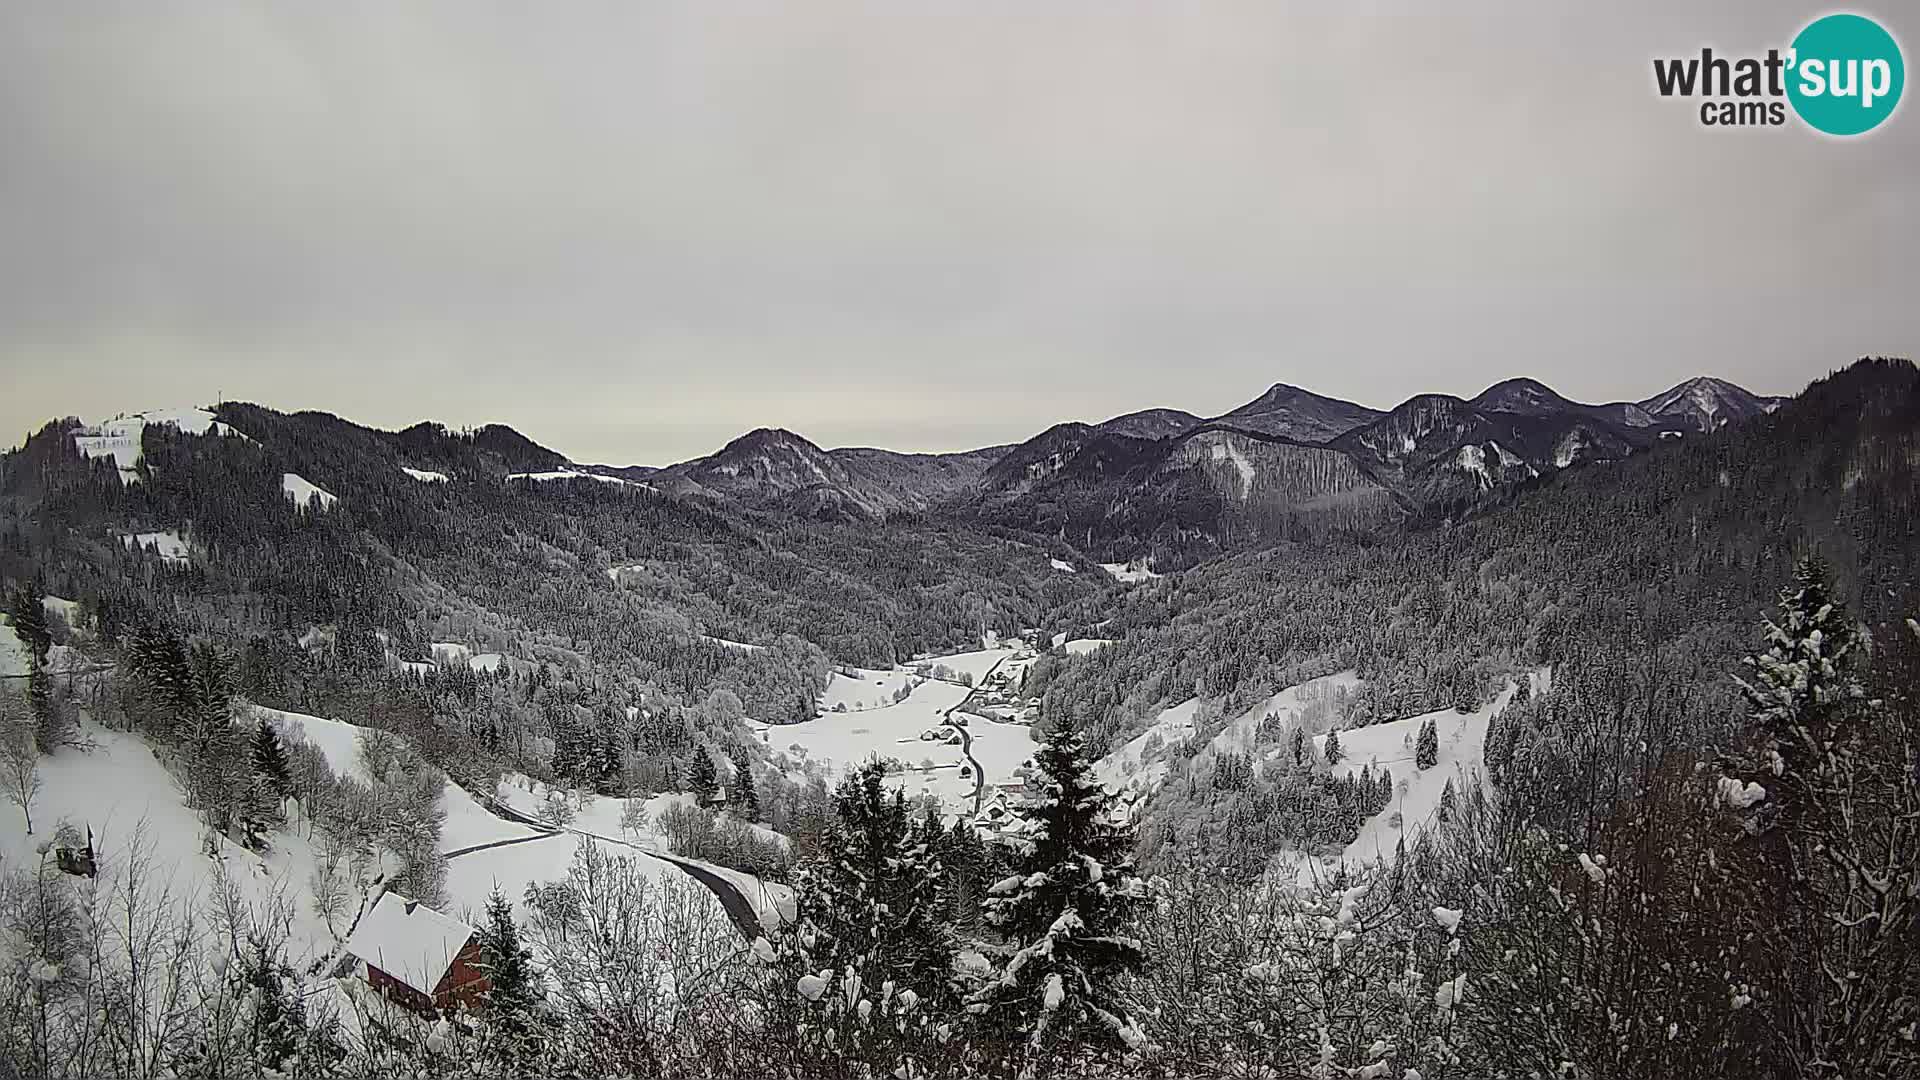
{"points": [[418, 957]]}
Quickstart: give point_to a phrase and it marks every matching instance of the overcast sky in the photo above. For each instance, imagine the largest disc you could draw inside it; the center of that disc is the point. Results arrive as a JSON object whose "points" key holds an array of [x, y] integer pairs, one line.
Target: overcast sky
{"points": [[634, 231]]}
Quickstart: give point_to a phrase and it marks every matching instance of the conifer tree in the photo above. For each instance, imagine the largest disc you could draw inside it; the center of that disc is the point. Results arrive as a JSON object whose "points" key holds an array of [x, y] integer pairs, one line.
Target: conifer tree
{"points": [[965, 866], [745, 798], [1067, 913], [512, 993], [1332, 750], [873, 895], [1426, 752], [159, 661], [281, 1034], [1299, 746], [28, 611], [703, 779], [51, 724], [1803, 684], [212, 749], [1825, 794], [270, 761]]}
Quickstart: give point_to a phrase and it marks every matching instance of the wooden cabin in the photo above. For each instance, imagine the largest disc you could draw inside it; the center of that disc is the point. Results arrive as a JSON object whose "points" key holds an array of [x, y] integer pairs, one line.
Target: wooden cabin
{"points": [[417, 957]]}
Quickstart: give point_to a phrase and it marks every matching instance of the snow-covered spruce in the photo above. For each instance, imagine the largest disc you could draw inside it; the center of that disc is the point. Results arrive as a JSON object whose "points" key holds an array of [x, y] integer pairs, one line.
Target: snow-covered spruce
{"points": [[1067, 913]]}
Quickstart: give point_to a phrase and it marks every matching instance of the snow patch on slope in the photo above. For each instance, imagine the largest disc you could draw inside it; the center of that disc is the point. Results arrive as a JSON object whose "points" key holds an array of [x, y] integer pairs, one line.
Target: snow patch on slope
{"points": [[1569, 448], [1416, 792], [120, 790], [1127, 767], [120, 437], [170, 546], [1474, 460], [1083, 646], [1129, 573], [575, 474], [303, 492], [1225, 450]]}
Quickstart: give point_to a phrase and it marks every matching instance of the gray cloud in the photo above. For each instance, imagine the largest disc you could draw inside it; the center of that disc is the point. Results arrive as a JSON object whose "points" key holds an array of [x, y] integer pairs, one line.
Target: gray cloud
{"points": [[634, 231]]}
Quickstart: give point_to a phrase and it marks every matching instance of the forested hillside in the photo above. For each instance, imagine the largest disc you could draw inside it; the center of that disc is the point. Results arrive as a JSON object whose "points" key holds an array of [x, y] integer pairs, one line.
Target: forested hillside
{"points": [[602, 591], [1599, 771], [1688, 542]]}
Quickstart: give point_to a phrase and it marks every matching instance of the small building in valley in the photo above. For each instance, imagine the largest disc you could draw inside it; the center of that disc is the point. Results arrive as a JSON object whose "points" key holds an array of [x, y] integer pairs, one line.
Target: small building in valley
{"points": [[417, 957]]}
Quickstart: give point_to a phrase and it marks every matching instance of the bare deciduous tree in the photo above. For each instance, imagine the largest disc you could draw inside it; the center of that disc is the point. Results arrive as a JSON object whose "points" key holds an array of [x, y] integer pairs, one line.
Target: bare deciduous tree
{"points": [[19, 757]]}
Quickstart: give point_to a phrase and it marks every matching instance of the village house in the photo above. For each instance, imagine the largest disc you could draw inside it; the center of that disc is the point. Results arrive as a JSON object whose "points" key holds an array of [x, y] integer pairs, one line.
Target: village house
{"points": [[417, 957]]}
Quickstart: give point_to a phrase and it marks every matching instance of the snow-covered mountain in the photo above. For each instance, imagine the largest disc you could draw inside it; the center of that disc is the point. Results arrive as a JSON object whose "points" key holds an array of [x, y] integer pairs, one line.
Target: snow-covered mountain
{"points": [[776, 468], [1038, 460], [1437, 446], [1152, 423], [1708, 404], [1298, 414], [1529, 397]]}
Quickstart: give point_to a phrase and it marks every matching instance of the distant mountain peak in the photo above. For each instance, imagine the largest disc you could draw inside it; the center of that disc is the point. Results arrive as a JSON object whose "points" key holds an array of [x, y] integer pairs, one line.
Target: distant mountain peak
{"points": [[770, 436], [1523, 395], [1152, 423], [1293, 413], [1707, 403]]}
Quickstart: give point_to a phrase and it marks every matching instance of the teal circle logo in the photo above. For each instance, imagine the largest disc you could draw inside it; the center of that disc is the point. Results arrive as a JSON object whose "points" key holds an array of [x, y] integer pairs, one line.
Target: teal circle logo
{"points": [[1846, 74]]}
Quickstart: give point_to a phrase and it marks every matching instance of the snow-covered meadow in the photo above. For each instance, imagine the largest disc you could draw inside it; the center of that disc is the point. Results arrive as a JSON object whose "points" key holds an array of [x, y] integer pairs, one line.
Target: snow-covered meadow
{"points": [[119, 439], [860, 720], [1416, 792]]}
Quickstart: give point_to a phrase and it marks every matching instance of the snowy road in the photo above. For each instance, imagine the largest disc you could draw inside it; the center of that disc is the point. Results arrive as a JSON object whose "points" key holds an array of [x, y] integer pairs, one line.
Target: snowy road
{"points": [[966, 735], [732, 899]]}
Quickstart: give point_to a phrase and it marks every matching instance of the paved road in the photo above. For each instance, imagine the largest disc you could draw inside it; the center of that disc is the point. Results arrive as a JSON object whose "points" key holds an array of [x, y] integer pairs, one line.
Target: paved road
{"points": [[457, 852], [745, 917], [966, 735]]}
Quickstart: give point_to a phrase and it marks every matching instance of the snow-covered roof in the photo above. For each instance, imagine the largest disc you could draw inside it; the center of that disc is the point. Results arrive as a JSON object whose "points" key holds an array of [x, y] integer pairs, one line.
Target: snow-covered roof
{"points": [[409, 941]]}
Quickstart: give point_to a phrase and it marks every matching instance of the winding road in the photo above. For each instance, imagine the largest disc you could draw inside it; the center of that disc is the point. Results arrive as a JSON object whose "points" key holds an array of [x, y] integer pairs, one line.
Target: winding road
{"points": [[740, 909], [966, 736]]}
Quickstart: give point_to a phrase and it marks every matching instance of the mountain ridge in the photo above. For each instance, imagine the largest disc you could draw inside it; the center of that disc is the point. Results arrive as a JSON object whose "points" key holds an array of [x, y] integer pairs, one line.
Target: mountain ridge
{"points": [[1516, 410], [1428, 450]]}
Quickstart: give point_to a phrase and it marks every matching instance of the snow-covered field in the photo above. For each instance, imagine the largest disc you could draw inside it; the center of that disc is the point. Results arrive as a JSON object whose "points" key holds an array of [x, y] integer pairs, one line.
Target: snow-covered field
{"points": [[303, 492], [13, 651], [425, 476], [1083, 646], [875, 726], [170, 546], [119, 438], [1129, 573], [1225, 450], [871, 690], [453, 652], [468, 823], [597, 822], [849, 738], [1292, 705], [975, 664], [1134, 765], [575, 474], [1416, 792], [67, 610], [132, 804], [1062, 565]]}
